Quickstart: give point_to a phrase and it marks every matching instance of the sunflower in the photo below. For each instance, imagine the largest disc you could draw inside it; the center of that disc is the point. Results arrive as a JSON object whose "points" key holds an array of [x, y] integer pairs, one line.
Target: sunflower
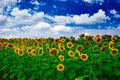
{"points": [[23, 47], [82, 36], [60, 67], [57, 40], [1, 45], [29, 50], [61, 48], [47, 45], [87, 43], [9, 45], [114, 39], [69, 44], [102, 49], [47, 49], [61, 58], [53, 45], [26, 39], [43, 40], [111, 45], [53, 52], [79, 48], [114, 52], [98, 39], [20, 52], [33, 52], [84, 57], [16, 50], [35, 43], [62, 39], [70, 53], [97, 35]]}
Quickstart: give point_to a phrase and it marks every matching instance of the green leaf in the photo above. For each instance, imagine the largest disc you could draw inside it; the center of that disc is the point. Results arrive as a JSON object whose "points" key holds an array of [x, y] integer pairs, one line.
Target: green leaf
{"points": [[48, 73], [12, 75], [21, 78], [32, 77], [71, 75], [5, 75]]}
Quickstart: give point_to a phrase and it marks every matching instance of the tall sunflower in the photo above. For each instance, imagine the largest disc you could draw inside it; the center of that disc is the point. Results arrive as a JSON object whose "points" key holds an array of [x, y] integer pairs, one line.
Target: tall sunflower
{"points": [[53, 51], [43, 40], [61, 57], [20, 52], [70, 53], [61, 48], [60, 67], [33, 52], [62, 39], [84, 57], [98, 39], [79, 48], [114, 52], [102, 48], [87, 43], [111, 45], [70, 45]]}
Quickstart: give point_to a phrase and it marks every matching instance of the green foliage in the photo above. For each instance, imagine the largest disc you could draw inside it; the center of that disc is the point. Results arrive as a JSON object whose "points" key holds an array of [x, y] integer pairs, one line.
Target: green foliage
{"points": [[98, 66]]}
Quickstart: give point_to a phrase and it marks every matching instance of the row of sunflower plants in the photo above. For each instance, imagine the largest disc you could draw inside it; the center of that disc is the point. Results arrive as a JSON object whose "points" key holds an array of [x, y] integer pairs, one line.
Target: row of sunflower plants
{"points": [[87, 58]]}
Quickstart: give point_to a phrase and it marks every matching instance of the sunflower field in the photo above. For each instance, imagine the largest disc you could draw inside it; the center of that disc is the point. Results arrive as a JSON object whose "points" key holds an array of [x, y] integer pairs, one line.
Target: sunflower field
{"points": [[87, 58]]}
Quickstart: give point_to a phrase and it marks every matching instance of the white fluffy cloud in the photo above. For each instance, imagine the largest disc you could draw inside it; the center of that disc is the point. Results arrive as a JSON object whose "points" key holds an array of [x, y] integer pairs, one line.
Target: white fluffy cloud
{"points": [[89, 1], [115, 13], [99, 17], [94, 1], [62, 28], [4, 3], [24, 24]]}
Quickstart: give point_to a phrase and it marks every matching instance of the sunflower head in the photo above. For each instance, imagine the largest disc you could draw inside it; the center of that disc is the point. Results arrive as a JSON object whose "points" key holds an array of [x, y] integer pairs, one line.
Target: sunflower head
{"points": [[29, 50], [60, 67], [97, 35], [79, 48], [47, 45], [1, 44], [84, 57], [61, 48], [70, 45], [47, 49], [9, 45], [111, 45], [33, 52], [20, 52], [87, 43], [61, 58], [62, 39], [98, 39], [114, 52], [102, 49], [23, 47], [35, 43], [82, 36], [43, 40], [70, 53], [53, 52], [114, 39], [16, 50]]}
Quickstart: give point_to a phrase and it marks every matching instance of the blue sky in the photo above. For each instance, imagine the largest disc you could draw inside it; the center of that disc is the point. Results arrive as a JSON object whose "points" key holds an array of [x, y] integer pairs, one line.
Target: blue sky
{"points": [[54, 18]]}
